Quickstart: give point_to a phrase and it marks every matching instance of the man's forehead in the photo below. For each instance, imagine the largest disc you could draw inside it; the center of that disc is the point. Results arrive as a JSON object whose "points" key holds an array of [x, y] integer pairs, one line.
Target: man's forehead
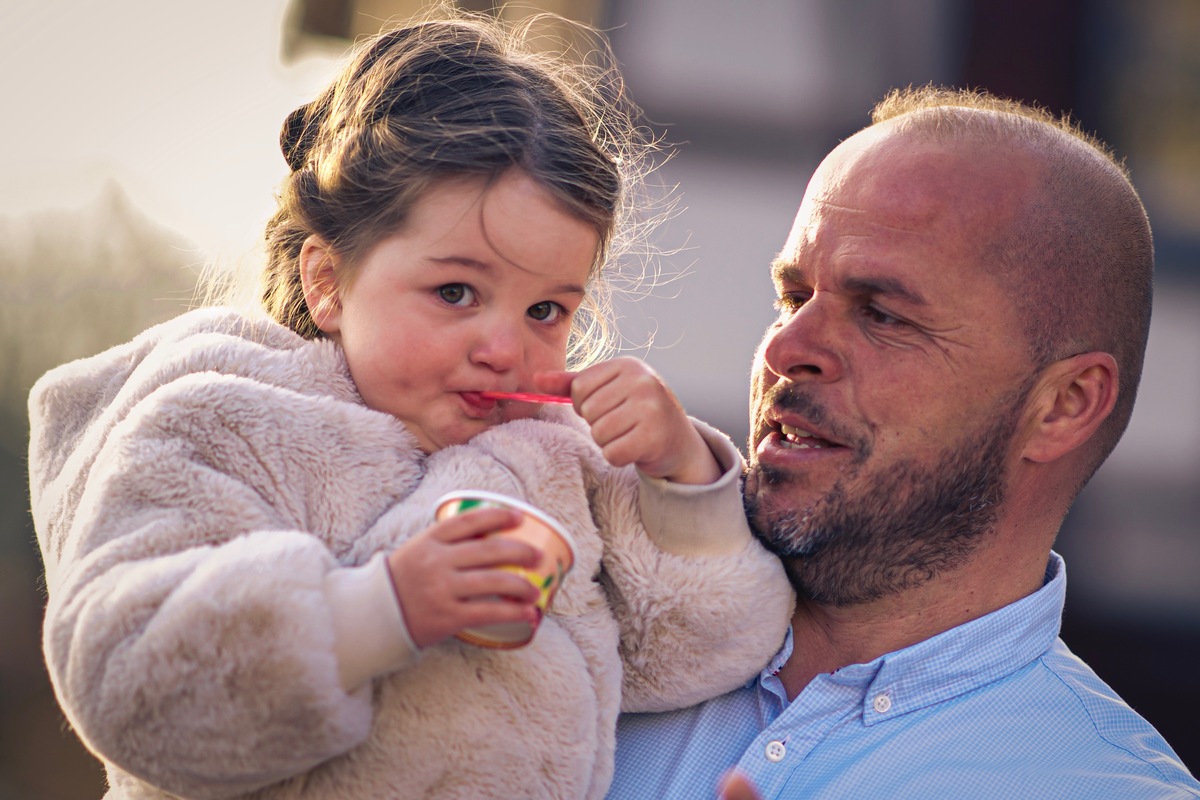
{"points": [[888, 184]]}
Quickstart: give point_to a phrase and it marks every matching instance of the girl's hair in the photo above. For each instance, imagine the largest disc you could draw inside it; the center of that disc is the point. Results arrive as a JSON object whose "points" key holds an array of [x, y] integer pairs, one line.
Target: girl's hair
{"points": [[461, 95]]}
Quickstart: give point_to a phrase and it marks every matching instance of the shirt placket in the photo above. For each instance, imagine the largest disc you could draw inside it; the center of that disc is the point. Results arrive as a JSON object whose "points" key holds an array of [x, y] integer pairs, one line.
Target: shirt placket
{"points": [[797, 728]]}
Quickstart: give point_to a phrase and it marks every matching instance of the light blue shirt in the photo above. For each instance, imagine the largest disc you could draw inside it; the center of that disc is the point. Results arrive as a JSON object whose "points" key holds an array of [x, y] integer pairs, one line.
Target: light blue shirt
{"points": [[996, 708]]}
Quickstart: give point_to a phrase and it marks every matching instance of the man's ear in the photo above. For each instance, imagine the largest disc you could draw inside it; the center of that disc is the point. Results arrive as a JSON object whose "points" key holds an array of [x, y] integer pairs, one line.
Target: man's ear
{"points": [[318, 278], [1073, 398]]}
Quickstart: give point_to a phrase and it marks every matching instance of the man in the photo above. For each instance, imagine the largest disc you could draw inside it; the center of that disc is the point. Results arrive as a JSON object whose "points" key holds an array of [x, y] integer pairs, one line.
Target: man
{"points": [[964, 302]]}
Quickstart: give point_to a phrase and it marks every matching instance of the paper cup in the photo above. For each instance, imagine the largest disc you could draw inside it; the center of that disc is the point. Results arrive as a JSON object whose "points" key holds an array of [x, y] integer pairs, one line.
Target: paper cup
{"points": [[537, 529]]}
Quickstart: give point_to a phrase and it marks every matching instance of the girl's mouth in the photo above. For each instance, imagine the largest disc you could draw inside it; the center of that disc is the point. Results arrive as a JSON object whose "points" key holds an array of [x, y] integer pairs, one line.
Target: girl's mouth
{"points": [[477, 403]]}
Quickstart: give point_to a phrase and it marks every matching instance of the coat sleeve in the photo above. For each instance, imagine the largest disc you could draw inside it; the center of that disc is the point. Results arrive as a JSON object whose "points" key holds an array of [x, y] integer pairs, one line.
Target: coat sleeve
{"points": [[188, 633], [702, 607]]}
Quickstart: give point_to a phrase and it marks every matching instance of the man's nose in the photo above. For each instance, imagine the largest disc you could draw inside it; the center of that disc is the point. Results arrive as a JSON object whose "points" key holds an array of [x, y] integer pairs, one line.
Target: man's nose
{"points": [[805, 346]]}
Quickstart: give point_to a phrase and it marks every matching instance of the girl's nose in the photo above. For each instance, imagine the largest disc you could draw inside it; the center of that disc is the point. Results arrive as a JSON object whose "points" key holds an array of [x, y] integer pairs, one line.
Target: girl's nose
{"points": [[499, 347]]}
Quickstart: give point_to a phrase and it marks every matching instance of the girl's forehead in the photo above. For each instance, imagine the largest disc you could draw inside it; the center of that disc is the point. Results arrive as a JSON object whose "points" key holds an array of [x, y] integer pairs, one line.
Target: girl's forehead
{"points": [[511, 228], [527, 226]]}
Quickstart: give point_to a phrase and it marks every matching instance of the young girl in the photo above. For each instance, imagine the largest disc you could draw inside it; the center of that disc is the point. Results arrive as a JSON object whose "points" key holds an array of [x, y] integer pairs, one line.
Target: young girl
{"points": [[248, 594]]}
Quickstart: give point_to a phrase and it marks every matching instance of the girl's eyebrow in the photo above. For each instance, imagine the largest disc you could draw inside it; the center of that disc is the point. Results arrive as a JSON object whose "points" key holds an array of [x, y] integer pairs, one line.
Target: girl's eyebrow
{"points": [[461, 261], [483, 266], [568, 288]]}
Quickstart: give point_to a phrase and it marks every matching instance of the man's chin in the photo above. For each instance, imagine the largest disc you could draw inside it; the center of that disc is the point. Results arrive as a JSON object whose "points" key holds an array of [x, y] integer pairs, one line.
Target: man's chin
{"points": [[776, 491], [775, 522]]}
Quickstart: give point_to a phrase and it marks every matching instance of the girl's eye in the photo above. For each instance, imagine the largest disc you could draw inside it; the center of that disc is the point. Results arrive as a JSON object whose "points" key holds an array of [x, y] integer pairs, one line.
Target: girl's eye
{"points": [[456, 294], [545, 311]]}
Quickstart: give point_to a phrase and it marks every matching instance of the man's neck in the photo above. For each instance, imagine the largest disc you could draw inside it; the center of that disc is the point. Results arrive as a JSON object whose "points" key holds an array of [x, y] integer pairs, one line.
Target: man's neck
{"points": [[827, 638]]}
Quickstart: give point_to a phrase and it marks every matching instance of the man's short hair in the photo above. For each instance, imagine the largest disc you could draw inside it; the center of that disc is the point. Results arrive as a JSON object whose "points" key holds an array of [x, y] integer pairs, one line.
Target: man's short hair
{"points": [[1078, 259]]}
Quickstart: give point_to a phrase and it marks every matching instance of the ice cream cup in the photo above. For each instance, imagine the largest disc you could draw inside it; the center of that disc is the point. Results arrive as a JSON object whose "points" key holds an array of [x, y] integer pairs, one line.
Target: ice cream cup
{"points": [[537, 529]]}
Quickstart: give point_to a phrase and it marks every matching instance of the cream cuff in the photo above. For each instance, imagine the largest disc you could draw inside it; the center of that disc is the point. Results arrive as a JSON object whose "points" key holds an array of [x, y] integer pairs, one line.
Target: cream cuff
{"points": [[698, 520], [370, 637]]}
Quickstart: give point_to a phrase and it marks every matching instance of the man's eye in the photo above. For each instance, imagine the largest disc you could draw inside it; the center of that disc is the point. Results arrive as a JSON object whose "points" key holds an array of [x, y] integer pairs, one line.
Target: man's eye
{"points": [[545, 311], [455, 294], [880, 317], [789, 302]]}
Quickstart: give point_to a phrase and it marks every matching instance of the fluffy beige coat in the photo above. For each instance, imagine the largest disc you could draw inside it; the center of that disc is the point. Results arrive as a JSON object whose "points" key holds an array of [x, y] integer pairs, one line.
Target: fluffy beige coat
{"points": [[195, 490]]}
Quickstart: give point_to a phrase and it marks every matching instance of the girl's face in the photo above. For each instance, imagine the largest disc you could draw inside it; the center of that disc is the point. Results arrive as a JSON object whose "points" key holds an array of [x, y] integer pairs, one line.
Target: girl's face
{"points": [[475, 292]]}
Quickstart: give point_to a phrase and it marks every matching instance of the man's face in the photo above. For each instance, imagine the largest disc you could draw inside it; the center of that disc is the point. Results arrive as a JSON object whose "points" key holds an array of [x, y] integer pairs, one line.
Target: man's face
{"points": [[887, 392]]}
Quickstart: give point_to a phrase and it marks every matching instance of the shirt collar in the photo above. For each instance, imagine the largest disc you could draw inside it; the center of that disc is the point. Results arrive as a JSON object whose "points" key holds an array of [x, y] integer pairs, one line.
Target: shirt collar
{"points": [[955, 661]]}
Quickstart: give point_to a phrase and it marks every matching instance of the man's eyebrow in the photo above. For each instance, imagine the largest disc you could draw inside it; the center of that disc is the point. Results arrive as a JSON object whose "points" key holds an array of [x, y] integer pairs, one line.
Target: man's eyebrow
{"points": [[883, 285], [783, 271]]}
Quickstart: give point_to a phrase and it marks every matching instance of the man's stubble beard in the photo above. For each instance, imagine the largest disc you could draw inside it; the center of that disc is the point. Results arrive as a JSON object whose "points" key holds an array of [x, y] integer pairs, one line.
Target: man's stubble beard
{"points": [[915, 523]]}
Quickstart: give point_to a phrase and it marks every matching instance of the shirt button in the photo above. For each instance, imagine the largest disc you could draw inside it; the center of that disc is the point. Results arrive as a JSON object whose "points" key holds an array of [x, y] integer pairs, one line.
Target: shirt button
{"points": [[882, 703], [776, 751]]}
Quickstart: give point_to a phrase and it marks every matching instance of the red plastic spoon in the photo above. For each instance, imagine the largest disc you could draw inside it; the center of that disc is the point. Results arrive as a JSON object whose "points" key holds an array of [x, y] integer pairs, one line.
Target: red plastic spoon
{"points": [[525, 397]]}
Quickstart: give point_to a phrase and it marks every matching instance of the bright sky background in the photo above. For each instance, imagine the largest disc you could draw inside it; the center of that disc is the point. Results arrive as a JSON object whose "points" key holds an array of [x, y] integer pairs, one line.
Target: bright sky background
{"points": [[180, 103]]}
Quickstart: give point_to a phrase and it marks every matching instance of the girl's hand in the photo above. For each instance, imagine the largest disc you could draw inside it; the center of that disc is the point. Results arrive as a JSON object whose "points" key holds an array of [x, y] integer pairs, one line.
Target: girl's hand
{"points": [[636, 419], [447, 577]]}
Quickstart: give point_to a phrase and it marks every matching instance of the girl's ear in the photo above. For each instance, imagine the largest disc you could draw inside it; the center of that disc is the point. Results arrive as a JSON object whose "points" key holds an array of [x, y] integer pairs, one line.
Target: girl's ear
{"points": [[1074, 397], [318, 278]]}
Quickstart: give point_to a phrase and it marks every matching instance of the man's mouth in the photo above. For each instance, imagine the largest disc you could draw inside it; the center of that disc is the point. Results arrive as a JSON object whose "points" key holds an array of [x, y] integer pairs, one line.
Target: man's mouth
{"points": [[794, 438]]}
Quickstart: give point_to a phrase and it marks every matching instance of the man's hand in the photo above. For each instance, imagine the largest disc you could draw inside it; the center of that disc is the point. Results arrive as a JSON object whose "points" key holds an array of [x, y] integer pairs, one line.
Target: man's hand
{"points": [[447, 577], [636, 419]]}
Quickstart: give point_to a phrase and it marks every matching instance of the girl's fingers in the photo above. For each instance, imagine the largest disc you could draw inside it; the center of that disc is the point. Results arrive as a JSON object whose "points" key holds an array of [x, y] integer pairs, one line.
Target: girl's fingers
{"points": [[629, 392], [495, 551], [610, 428], [558, 383], [602, 403], [474, 523], [626, 371], [495, 611], [485, 585]]}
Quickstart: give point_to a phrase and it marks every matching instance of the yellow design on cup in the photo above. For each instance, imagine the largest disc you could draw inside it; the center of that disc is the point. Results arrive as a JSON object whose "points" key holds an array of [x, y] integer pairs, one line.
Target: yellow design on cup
{"points": [[537, 529]]}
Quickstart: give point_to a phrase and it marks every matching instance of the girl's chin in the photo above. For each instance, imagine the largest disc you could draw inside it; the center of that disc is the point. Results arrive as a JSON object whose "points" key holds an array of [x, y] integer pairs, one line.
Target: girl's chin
{"points": [[519, 411]]}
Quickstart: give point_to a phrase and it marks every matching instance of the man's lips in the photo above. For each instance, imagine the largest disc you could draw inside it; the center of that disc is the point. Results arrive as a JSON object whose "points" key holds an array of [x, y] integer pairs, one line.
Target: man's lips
{"points": [[786, 441], [793, 426], [792, 437]]}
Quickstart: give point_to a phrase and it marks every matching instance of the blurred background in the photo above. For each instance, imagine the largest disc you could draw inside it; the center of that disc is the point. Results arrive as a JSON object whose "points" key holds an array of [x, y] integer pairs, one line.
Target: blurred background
{"points": [[139, 144]]}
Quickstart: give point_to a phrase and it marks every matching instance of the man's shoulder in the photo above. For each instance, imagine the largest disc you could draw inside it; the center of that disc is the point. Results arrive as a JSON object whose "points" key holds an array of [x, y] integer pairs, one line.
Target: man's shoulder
{"points": [[1049, 729], [1056, 723], [1098, 717]]}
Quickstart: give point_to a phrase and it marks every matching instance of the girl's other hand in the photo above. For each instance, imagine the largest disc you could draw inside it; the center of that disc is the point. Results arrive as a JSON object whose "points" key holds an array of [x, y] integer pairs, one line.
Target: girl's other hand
{"points": [[636, 419], [448, 577]]}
